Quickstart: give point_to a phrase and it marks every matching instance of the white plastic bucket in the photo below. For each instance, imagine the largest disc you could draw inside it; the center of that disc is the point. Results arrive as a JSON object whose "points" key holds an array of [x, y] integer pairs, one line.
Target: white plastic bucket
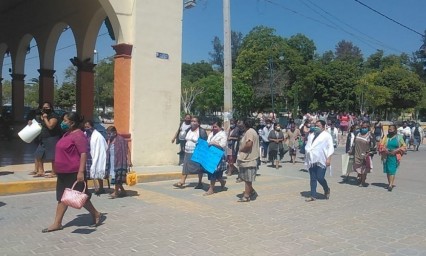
{"points": [[30, 132]]}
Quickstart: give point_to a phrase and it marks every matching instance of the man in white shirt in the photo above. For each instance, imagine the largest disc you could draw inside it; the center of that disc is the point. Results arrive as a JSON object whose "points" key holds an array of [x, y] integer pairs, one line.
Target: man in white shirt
{"points": [[405, 131], [334, 132], [264, 134], [319, 149]]}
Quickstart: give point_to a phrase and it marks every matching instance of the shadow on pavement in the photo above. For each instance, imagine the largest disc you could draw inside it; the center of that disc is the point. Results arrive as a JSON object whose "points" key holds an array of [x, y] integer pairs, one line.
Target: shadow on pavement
{"points": [[308, 194], [84, 231], [2, 204], [130, 193], [381, 185], [84, 220], [6, 173]]}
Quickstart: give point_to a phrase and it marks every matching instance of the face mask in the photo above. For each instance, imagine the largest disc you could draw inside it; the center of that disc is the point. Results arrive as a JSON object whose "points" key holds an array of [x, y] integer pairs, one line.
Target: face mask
{"points": [[363, 131], [268, 125], [47, 111], [277, 129], [232, 126], [112, 135], [89, 131], [390, 134], [65, 126], [314, 129]]}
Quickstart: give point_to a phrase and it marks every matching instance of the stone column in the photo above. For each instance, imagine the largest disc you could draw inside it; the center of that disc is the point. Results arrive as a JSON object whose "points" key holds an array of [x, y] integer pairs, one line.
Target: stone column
{"points": [[1, 95], [46, 86], [122, 67], [18, 93], [85, 87]]}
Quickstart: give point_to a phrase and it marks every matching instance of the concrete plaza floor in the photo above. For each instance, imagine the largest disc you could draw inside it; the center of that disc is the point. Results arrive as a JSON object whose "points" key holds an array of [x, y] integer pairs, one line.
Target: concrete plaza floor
{"points": [[158, 219]]}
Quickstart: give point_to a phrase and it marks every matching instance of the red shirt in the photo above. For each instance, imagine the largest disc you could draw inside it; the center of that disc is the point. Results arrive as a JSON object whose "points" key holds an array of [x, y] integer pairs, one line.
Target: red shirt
{"points": [[68, 152]]}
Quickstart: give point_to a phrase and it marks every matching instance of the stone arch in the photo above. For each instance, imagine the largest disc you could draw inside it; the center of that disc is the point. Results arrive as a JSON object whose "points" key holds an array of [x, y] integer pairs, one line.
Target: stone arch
{"points": [[111, 13], [48, 60], [3, 49], [18, 63], [91, 35]]}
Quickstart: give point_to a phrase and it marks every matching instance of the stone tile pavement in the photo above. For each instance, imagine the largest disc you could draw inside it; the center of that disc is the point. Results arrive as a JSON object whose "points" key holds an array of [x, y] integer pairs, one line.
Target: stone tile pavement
{"points": [[158, 219]]}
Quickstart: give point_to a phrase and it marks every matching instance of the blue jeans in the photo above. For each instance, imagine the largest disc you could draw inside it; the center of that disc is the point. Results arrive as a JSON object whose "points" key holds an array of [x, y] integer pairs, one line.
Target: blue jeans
{"points": [[317, 174], [265, 146]]}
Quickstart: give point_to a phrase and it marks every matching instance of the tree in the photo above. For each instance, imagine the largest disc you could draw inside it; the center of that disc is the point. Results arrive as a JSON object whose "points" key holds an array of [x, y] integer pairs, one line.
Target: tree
{"points": [[346, 51], [31, 91], [104, 84], [305, 46], [7, 92], [65, 96], [217, 53], [405, 85], [190, 92]]}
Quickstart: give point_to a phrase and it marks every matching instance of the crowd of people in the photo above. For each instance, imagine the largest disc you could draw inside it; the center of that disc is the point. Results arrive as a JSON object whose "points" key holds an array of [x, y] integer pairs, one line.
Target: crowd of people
{"points": [[314, 136], [78, 153]]}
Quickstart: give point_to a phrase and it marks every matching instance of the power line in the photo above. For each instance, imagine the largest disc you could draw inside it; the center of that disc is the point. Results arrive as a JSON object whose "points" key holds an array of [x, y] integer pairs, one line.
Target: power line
{"points": [[368, 37], [389, 18], [59, 49]]}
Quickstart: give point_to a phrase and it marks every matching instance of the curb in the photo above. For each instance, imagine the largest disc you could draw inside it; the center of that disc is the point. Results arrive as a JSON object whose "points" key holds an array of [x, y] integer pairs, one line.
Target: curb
{"points": [[23, 187]]}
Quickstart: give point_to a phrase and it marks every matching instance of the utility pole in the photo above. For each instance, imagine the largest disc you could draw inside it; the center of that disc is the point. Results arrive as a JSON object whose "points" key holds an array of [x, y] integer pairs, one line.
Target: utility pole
{"points": [[227, 67]]}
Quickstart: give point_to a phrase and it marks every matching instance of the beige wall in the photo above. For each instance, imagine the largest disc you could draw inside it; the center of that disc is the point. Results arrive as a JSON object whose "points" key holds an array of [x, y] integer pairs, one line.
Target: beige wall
{"points": [[155, 87]]}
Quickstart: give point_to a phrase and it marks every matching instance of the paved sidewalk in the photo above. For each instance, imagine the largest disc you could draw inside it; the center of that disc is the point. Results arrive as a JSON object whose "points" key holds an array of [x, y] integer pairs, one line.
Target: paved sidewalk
{"points": [[158, 219]]}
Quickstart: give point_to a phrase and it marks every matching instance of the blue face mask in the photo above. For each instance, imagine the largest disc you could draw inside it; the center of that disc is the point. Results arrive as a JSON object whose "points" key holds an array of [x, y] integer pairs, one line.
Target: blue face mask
{"points": [[363, 131], [314, 129], [65, 126]]}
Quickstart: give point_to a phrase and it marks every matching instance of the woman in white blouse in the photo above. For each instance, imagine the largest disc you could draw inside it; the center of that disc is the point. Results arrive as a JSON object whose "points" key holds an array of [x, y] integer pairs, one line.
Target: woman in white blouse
{"points": [[217, 138]]}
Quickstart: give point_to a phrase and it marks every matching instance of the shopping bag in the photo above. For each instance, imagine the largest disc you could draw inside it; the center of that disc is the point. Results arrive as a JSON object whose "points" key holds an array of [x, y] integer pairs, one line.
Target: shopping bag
{"points": [[131, 178], [74, 198], [347, 164]]}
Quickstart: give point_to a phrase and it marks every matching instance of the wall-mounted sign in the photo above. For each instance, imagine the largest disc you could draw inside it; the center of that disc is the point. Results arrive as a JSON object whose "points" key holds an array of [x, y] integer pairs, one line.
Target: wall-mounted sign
{"points": [[162, 55]]}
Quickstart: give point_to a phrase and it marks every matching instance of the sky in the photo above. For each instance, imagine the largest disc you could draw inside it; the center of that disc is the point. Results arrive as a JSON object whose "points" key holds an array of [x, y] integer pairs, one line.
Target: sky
{"points": [[326, 22]]}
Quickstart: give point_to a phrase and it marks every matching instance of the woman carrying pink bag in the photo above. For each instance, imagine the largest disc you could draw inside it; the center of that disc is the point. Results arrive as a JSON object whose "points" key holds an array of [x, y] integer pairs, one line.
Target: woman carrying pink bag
{"points": [[70, 164]]}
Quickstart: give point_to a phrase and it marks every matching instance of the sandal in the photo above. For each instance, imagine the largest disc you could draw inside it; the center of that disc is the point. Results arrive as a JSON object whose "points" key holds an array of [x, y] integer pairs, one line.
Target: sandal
{"points": [[38, 175], [179, 185], [310, 199], [222, 184], [97, 221], [112, 196], [47, 230], [208, 193], [50, 175], [32, 173], [244, 199]]}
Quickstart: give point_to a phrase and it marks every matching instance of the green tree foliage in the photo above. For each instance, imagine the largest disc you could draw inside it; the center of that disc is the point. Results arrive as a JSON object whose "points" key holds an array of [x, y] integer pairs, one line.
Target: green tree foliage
{"points": [[217, 53], [104, 84], [31, 89], [7, 92], [405, 86], [346, 51], [65, 96]]}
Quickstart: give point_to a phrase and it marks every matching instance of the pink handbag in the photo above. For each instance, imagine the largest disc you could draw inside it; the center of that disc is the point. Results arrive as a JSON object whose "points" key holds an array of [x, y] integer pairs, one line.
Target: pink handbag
{"points": [[74, 198]]}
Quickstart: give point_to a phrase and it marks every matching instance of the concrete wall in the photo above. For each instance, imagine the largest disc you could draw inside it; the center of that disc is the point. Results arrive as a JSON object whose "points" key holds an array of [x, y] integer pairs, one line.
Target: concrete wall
{"points": [[155, 86]]}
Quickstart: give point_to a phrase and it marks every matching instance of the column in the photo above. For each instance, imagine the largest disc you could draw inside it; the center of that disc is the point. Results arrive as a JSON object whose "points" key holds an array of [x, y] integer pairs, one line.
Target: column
{"points": [[18, 93], [85, 91], [1, 95], [122, 67], [46, 86]]}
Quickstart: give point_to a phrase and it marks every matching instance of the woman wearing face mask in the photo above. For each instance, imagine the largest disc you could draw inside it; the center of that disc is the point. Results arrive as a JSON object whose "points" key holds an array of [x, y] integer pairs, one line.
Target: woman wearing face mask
{"points": [[189, 166], [276, 138], [391, 148], [293, 141], [49, 136], [217, 138], [363, 143], [118, 161], [70, 165], [232, 148], [96, 157]]}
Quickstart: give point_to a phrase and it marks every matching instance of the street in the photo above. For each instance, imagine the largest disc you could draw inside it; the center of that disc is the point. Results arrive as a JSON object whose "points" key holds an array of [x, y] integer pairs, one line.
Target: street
{"points": [[158, 219]]}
